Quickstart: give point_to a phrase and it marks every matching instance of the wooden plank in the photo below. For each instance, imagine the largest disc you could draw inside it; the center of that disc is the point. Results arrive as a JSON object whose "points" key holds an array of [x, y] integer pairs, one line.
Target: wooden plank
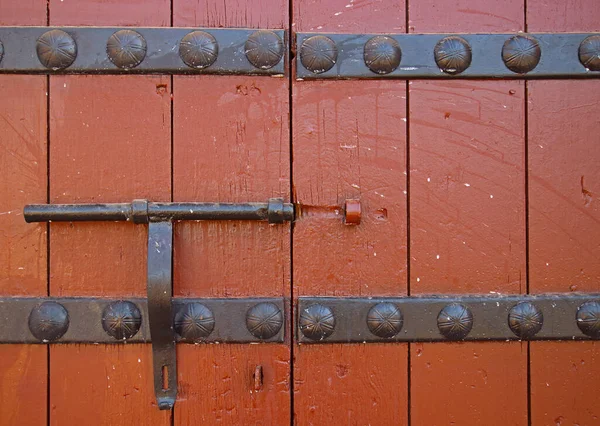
{"points": [[467, 220], [349, 141], [563, 218], [23, 260], [231, 143], [109, 141]]}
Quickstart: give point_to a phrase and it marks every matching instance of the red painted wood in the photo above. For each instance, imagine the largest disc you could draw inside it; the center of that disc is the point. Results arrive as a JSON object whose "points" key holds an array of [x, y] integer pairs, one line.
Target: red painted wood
{"points": [[467, 383], [231, 144], [467, 219], [23, 261], [349, 142], [110, 140], [563, 218]]}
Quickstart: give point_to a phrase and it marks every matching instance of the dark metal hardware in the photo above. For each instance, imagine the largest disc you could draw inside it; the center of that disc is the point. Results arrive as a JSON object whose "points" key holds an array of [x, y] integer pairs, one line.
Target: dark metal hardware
{"points": [[408, 56], [569, 316], [111, 321], [135, 50], [142, 211], [197, 321]]}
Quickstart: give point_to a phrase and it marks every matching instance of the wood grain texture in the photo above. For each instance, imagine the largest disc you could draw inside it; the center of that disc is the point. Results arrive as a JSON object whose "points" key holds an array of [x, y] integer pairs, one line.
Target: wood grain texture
{"points": [[564, 210], [467, 206], [349, 142], [110, 141], [451, 16], [351, 385], [217, 385], [464, 382], [564, 383], [467, 157], [231, 144], [564, 218], [23, 260]]}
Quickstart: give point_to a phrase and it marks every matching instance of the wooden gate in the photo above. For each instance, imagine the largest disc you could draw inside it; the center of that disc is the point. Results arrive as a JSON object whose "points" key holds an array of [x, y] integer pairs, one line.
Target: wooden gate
{"points": [[443, 233]]}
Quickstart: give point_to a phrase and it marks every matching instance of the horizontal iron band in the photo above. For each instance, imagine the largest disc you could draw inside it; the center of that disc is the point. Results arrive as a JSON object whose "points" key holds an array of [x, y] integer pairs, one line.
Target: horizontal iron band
{"points": [[142, 211], [105, 50], [228, 320], [428, 319], [439, 56]]}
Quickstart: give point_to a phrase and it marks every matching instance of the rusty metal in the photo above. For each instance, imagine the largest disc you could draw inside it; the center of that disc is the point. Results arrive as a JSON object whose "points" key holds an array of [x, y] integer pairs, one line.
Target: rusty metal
{"points": [[121, 320], [160, 314], [142, 211], [448, 56], [568, 316], [66, 320], [264, 320], [141, 50]]}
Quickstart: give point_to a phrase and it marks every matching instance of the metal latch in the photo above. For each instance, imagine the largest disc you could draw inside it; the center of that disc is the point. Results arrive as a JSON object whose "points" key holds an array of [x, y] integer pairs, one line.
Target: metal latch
{"points": [[160, 217]]}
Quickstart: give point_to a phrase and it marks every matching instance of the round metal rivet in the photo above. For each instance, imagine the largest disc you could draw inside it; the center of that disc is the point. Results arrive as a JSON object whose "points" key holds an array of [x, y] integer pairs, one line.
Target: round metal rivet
{"points": [[317, 322], [382, 54], [264, 320], [455, 321], [589, 53], [121, 320], [525, 320], [194, 321], [56, 49], [198, 49], [588, 319], [318, 54], [48, 321], [521, 54], [126, 49], [452, 54], [385, 320], [264, 49]]}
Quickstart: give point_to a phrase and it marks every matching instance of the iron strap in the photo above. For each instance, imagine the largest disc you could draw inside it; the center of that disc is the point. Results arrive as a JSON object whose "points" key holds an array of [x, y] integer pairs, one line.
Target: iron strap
{"points": [[450, 56], [427, 319], [135, 50], [118, 321]]}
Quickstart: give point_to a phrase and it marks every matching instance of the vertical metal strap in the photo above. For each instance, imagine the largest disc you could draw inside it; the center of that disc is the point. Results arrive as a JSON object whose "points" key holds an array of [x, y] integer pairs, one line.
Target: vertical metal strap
{"points": [[160, 254]]}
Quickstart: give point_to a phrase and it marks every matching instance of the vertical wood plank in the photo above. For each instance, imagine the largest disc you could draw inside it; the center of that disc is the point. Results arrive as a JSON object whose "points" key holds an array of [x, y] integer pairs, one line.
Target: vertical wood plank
{"points": [[563, 218], [231, 144], [349, 141], [23, 258], [109, 142], [467, 220]]}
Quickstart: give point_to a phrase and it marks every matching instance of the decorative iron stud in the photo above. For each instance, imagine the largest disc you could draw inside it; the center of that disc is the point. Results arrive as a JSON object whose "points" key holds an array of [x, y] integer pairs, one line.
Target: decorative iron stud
{"points": [[525, 320], [588, 319], [264, 49], [317, 322], [56, 49], [121, 320], [385, 320], [453, 54], [521, 54], [382, 54], [589, 53], [198, 49], [48, 321], [455, 321], [126, 49], [318, 54], [264, 320], [194, 321]]}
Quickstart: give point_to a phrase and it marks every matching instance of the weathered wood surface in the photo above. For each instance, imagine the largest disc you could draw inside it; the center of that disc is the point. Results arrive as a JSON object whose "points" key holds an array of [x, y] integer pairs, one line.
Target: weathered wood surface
{"points": [[467, 220], [23, 260], [564, 218], [231, 144]]}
